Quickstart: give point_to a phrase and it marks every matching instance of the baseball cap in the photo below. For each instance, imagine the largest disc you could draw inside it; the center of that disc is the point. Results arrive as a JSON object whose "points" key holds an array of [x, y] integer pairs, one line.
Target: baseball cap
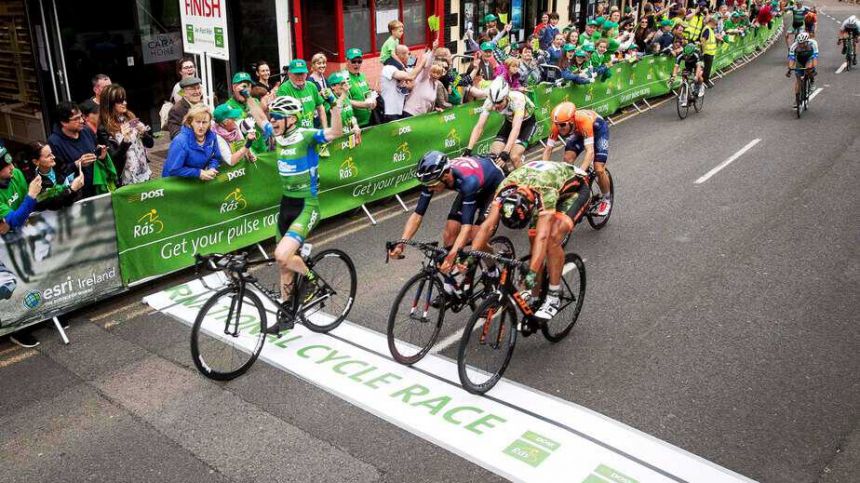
{"points": [[665, 22], [609, 25], [240, 77], [593, 23], [490, 18], [224, 112], [193, 81], [353, 54], [337, 78], [580, 53], [588, 47], [569, 47], [5, 157], [487, 46], [298, 66]]}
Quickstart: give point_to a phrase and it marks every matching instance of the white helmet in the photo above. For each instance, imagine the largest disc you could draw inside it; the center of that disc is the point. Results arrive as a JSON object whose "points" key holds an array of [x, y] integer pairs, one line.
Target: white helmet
{"points": [[802, 37], [285, 106], [499, 90]]}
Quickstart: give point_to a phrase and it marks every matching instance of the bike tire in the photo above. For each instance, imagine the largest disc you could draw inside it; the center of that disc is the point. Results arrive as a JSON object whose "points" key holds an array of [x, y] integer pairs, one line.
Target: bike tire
{"points": [[213, 339], [572, 297], [503, 245], [415, 292], [598, 222], [698, 102], [500, 331], [682, 94], [798, 99], [335, 268]]}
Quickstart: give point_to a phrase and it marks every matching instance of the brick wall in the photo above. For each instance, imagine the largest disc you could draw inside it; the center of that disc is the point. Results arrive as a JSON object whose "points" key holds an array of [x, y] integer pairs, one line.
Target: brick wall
{"points": [[371, 67]]}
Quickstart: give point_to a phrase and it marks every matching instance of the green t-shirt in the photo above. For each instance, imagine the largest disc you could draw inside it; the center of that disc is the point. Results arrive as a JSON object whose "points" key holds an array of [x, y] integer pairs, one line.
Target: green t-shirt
{"points": [[13, 195], [310, 98], [387, 49], [358, 91], [234, 104], [597, 60], [298, 161]]}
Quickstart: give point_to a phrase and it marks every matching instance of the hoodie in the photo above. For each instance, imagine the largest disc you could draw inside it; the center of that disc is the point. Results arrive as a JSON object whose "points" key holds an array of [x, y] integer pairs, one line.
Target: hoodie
{"points": [[186, 158]]}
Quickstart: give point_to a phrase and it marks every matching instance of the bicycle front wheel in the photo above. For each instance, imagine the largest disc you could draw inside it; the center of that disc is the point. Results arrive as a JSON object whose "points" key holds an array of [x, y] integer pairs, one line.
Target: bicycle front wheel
{"points": [[487, 344], [572, 296], [682, 104], [227, 335], [598, 222], [698, 102], [414, 323], [333, 293]]}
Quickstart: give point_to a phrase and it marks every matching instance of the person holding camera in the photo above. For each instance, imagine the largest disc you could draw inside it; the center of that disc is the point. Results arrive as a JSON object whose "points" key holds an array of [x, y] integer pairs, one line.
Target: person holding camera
{"points": [[73, 145], [126, 137]]}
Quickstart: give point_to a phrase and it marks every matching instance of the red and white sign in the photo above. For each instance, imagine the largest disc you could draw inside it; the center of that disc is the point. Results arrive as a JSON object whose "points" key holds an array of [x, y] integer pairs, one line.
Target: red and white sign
{"points": [[204, 27]]}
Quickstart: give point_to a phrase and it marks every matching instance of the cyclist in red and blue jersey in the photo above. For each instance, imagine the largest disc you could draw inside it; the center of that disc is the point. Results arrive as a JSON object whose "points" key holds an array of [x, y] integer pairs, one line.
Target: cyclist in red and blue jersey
{"points": [[474, 178]]}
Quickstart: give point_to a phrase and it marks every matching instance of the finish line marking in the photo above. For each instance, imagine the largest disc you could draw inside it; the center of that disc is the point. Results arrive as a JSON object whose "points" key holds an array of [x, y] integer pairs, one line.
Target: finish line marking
{"points": [[514, 431], [729, 161]]}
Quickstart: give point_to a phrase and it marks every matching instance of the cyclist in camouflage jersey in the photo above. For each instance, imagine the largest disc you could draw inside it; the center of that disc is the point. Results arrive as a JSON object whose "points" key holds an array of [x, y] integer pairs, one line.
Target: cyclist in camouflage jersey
{"points": [[549, 198]]}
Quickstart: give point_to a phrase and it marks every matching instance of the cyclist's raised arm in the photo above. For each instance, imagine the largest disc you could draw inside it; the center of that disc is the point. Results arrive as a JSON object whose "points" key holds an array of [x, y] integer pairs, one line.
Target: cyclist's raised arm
{"points": [[478, 129]]}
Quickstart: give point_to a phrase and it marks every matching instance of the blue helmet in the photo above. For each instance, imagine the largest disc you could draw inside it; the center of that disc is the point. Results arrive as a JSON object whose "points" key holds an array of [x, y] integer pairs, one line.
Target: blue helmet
{"points": [[431, 167]]}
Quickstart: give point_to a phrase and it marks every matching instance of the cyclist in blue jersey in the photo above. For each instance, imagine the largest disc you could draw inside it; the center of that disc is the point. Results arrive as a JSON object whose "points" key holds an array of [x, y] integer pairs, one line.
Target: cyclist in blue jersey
{"points": [[803, 54], [474, 178]]}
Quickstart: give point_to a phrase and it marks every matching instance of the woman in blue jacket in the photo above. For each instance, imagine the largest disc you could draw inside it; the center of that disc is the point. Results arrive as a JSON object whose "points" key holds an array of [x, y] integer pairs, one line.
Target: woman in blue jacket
{"points": [[194, 151]]}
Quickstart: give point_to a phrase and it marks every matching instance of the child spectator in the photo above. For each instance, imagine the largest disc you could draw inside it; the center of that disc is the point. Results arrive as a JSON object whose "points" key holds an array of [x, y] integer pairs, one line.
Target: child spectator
{"points": [[549, 32], [395, 28]]}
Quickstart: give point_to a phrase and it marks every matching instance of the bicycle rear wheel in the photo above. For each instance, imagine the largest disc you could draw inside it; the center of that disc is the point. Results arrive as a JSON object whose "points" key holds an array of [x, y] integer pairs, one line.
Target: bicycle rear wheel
{"points": [[333, 292], [227, 335], [487, 344], [682, 102], [798, 100], [413, 323], [572, 296], [598, 222], [698, 102]]}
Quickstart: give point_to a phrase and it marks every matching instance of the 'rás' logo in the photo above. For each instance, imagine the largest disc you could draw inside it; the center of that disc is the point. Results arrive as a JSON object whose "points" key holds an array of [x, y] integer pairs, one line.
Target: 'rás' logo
{"points": [[234, 201], [402, 153], [148, 224], [452, 139], [347, 169]]}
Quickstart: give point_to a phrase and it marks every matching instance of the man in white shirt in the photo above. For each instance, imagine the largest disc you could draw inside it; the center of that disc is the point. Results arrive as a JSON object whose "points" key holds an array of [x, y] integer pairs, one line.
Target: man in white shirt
{"points": [[396, 82]]}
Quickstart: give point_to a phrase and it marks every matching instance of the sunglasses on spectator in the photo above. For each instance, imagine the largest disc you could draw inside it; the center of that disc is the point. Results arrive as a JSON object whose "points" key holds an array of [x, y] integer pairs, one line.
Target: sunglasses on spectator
{"points": [[356, 61]]}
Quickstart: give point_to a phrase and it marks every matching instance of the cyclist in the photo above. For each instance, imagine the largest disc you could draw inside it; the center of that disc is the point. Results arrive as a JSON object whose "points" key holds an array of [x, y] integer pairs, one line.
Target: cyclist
{"points": [[587, 131], [692, 62], [549, 198], [297, 165], [474, 178], [850, 30], [802, 55], [810, 20], [513, 138], [798, 14]]}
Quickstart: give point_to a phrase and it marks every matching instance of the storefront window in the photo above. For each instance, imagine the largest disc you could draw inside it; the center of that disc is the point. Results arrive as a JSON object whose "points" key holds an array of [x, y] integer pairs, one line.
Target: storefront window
{"points": [[415, 21], [256, 33], [356, 25], [319, 33], [386, 11]]}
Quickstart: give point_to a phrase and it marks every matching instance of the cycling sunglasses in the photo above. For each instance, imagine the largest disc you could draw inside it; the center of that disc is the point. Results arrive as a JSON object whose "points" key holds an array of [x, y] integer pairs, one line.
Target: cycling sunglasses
{"points": [[276, 116], [562, 124]]}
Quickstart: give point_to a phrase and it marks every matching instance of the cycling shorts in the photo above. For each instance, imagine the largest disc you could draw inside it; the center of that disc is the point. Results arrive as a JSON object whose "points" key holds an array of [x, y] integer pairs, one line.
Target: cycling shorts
{"points": [[482, 205], [576, 143], [571, 207], [795, 28], [297, 217], [526, 131]]}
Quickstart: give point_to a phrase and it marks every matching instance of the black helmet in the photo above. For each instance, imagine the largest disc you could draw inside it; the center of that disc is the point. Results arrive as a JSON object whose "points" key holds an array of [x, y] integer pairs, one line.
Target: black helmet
{"points": [[431, 167], [518, 206]]}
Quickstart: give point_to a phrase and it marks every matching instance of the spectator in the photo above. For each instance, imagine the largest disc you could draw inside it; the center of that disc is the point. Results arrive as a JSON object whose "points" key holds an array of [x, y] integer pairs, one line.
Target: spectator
{"points": [[600, 10], [549, 32], [90, 111], [232, 145], [339, 82], [530, 73], [695, 22], [555, 52], [628, 19], [362, 99], [264, 76], [240, 92], [765, 15], [422, 97], [572, 37], [567, 59], [601, 59], [644, 35], [439, 71], [298, 87], [544, 21], [512, 73], [318, 79], [709, 50], [17, 197], [99, 82], [192, 87], [396, 82], [125, 136], [194, 153], [186, 69], [74, 145], [395, 28], [590, 34], [56, 192], [663, 39]]}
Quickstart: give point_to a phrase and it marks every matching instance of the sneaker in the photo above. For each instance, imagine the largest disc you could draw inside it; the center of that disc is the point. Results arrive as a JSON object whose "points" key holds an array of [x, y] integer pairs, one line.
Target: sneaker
{"points": [[683, 104], [309, 287], [285, 321], [24, 339], [604, 206], [549, 308]]}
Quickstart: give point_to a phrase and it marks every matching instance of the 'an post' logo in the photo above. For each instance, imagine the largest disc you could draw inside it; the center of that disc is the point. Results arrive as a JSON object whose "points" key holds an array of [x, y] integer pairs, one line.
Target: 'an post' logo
{"points": [[234, 201], [148, 224]]}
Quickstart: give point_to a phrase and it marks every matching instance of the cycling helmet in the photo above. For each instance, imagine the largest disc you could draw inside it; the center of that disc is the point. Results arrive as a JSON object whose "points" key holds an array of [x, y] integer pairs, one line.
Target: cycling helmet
{"points": [[563, 112], [690, 49], [431, 166], [285, 106], [802, 37], [498, 90], [518, 207]]}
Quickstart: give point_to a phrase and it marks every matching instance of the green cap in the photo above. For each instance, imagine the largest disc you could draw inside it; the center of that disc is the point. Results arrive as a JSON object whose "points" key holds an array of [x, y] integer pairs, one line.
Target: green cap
{"points": [[665, 22], [298, 66], [600, 20], [353, 54], [592, 23], [613, 45], [5, 157], [224, 112], [588, 47], [337, 78], [627, 9], [580, 53], [240, 77], [569, 47], [487, 46], [609, 25], [736, 14], [490, 18]]}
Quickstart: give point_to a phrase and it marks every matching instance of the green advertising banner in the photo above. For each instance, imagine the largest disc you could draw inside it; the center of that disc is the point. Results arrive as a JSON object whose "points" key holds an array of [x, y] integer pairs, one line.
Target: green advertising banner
{"points": [[161, 224]]}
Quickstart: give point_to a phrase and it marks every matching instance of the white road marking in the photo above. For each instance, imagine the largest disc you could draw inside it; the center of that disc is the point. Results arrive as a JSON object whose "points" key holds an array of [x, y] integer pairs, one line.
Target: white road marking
{"points": [[815, 93], [729, 161], [842, 67], [448, 341], [517, 432]]}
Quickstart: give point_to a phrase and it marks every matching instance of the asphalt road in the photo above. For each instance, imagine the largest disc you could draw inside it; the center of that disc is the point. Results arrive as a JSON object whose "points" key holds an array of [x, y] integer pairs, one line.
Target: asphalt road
{"points": [[720, 317]]}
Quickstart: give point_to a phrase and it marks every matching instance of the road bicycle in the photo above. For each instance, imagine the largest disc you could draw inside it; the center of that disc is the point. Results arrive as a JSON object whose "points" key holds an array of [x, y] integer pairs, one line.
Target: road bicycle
{"points": [[596, 221], [850, 52], [687, 95], [418, 311], [490, 334], [801, 98], [230, 329]]}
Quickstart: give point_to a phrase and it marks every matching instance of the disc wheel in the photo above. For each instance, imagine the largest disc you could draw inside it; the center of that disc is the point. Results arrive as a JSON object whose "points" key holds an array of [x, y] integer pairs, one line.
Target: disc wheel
{"points": [[329, 299]]}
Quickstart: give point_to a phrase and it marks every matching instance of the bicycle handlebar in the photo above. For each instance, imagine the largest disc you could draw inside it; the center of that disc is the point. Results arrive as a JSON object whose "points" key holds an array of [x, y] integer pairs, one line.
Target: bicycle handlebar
{"points": [[219, 261], [429, 248]]}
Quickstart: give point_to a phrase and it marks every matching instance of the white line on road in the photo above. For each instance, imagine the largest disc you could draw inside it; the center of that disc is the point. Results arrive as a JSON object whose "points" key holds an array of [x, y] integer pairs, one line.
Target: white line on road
{"points": [[728, 161], [817, 91], [842, 67]]}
